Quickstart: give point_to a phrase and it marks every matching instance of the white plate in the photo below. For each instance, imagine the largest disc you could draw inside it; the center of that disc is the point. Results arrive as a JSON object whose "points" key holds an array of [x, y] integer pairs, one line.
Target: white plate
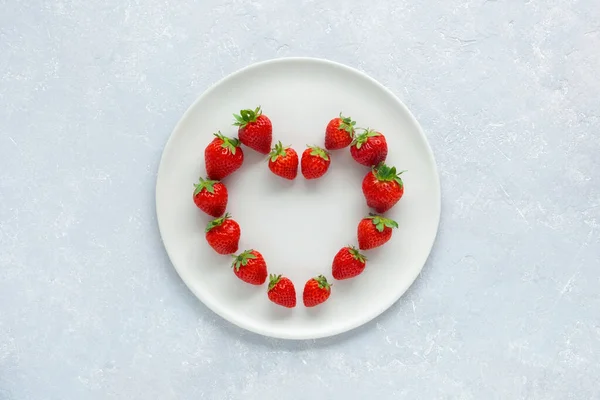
{"points": [[298, 226]]}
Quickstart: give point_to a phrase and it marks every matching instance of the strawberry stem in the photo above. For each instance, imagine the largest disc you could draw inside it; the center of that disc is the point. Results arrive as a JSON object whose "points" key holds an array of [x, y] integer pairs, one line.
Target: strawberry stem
{"points": [[246, 116], [217, 222], [383, 173], [357, 255], [278, 151], [230, 144], [273, 280], [323, 284], [347, 125], [242, 259], [207, 184], [381, 222], [361, 139], [319, 152]]}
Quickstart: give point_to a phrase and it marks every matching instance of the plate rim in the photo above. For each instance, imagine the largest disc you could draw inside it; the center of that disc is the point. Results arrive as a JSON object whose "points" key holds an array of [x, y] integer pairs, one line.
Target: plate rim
{"points": [[225, 315]]}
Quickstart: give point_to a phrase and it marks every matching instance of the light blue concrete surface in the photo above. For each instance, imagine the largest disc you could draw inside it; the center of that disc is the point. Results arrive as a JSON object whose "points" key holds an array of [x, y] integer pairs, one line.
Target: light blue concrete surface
{"points": [[508, 306]]}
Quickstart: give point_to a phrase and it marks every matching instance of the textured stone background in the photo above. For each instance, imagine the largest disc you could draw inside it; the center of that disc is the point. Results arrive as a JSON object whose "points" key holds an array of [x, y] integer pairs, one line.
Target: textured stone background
{"points": [[508, 306]]}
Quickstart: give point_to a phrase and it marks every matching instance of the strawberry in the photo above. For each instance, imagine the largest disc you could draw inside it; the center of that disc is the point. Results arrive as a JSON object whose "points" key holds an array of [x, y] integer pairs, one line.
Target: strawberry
{"points": [[281, 291], [283, 161], [250, 267], [382, 187], [223, 234], [316, 291], [255, 130], [374, 231], [348, 263], [211, 197], [315, 162], [339, 133], [222, 157], [369, 148]]}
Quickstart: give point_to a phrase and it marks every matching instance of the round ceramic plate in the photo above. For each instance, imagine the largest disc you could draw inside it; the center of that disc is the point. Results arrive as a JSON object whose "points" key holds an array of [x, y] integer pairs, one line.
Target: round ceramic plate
{"points": [[298, 225]]}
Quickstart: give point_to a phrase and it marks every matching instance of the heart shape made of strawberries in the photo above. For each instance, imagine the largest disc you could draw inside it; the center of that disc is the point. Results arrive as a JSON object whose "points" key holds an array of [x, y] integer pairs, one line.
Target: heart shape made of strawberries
{"points": [[382, 188]]}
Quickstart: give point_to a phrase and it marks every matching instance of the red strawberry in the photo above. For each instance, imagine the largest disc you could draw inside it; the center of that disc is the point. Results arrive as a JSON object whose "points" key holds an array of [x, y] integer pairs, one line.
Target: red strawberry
{"points": [[374, 231], [369, 148], [211, 197], [250, 267], [348, 263], [382, 187], [316, 291], [222, 157], [339, 133], [283, 161], [223, 235], [315, 162], [281, 291], [255, 130]]}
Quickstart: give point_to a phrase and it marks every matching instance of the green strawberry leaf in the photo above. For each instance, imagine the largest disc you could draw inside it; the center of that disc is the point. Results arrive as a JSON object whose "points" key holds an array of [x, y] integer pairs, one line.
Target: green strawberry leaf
{"points": [[246, 116], [319, 152], [205, 184], [217, 222], [384, 173], [242, 259], [347, 125], [273, 281], [381, 222], [230, 144], [356, 254], [361, 139], [278, 151], [323, 284]]}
